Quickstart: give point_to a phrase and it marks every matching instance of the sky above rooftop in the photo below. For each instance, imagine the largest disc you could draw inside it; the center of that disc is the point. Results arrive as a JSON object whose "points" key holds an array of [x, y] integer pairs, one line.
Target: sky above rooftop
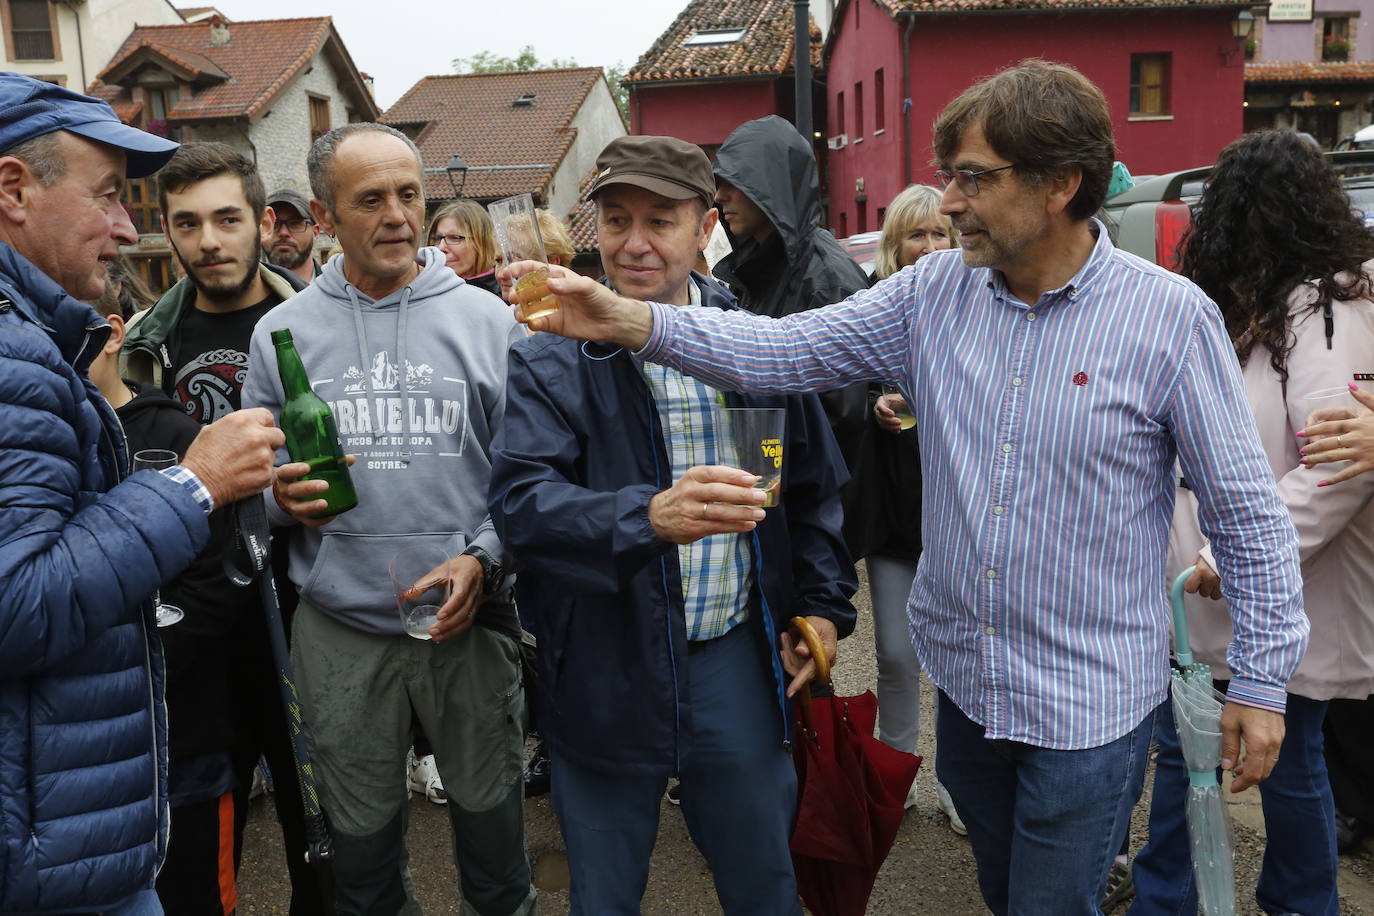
{"points": [[401, 41]]}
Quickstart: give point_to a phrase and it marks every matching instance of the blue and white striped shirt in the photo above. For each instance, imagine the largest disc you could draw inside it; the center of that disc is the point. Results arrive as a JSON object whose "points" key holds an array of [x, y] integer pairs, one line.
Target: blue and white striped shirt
{"points": [[1049, 434]]}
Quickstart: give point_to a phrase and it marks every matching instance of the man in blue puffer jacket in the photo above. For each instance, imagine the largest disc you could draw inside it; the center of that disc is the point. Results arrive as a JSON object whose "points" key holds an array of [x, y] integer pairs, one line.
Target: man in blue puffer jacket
{"points": [[83, 749]]}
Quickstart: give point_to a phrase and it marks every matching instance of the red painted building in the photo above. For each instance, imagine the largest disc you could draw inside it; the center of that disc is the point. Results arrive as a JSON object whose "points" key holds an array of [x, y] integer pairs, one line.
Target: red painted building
{"points": [[721, 63], [1170, 71]]}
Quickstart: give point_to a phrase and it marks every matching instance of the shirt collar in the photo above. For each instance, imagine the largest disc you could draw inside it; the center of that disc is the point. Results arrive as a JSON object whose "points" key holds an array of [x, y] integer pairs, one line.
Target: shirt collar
{"points": [[1079, 283]]}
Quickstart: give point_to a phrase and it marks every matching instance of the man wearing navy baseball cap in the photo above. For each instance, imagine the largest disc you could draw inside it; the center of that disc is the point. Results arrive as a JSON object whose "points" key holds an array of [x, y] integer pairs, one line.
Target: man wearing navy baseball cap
{"points": [[83, 545]]}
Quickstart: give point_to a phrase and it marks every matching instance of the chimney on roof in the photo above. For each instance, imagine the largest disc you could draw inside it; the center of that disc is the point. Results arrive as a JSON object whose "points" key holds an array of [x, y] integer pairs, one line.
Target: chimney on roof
{"points": [[219, 31]]}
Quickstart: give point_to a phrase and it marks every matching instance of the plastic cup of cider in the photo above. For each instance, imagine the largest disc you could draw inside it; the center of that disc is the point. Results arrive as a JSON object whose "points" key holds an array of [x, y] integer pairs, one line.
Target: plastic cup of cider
{"points": [[751, 438], [516, 223]]}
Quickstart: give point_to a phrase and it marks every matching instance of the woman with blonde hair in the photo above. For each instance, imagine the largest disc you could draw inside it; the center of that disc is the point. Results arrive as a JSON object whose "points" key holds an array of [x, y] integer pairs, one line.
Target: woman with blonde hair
{"points": [[889, 479], [462, 230], [558, 245], [912, 228]]}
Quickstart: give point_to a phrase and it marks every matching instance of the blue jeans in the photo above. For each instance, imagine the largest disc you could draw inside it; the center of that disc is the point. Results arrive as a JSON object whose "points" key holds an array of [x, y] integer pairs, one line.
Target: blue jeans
{"points": [[1044, 824], [1298, 874], [144, 903], [739, 793]]}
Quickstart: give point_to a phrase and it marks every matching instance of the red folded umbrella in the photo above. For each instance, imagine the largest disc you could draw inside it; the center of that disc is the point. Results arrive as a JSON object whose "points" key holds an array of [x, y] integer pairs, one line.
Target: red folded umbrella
{"points": [[851, 794]]}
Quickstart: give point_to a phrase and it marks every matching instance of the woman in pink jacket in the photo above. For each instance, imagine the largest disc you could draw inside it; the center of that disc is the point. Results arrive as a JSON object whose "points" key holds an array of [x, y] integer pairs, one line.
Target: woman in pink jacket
{"points": [[1275, 243]]}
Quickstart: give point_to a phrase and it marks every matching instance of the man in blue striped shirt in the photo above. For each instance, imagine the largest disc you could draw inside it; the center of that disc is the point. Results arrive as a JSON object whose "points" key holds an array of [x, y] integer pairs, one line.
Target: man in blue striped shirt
{"points": [[1056, 382]]}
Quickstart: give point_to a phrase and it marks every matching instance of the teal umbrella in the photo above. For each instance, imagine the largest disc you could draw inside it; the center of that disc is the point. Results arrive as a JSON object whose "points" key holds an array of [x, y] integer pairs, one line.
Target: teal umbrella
{"points": [[1197, 716]]}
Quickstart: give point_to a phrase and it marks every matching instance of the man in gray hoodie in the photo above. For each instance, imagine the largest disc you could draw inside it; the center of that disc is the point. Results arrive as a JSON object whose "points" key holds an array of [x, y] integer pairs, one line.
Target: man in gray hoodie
{"points": [[412, 361]]}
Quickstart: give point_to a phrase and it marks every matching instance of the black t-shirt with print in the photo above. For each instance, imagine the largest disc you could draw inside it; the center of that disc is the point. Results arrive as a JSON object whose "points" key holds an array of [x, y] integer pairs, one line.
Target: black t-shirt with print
{"points": [[214, 359]]}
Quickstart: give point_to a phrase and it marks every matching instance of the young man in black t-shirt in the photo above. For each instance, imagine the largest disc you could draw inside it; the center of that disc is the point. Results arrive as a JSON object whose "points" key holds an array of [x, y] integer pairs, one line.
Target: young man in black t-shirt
{"points": [[193, 344]]}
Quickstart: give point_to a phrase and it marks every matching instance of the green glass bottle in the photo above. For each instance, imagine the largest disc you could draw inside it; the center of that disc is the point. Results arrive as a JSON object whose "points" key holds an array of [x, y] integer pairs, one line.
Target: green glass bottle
{"points": [[311, 435]]}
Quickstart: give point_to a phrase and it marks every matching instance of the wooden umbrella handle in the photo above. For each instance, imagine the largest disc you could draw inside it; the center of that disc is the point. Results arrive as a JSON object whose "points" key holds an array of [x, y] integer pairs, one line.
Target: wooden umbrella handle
{"points": [[813, 642]]}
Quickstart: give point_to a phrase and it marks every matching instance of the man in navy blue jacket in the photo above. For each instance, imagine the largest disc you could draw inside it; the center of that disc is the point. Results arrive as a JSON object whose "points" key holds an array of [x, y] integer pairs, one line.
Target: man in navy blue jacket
{"points": [[83, 798], [658, 585]]}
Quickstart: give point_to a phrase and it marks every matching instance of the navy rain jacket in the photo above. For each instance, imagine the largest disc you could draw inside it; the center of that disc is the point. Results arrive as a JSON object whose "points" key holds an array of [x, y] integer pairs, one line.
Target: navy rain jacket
{"points": [[83, 731], [574, 466]]}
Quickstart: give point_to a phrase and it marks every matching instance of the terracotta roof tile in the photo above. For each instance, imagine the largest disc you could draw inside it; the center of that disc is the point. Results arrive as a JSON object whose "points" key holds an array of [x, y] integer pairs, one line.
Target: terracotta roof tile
{"points": [[959, 6], [260, 59], [473, 115], [197, 67], [765, 49], [1304, 71], [582, 220], [125, 109]]}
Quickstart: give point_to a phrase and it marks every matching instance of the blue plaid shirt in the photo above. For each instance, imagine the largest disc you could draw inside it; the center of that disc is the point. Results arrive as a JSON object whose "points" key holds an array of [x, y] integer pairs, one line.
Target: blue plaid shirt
{"points": [[188, 479], [715, 570]]}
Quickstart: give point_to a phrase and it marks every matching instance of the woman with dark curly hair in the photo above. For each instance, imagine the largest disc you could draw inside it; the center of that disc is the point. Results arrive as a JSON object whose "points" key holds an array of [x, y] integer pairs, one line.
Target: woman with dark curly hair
{"points": [[1275, 243]]}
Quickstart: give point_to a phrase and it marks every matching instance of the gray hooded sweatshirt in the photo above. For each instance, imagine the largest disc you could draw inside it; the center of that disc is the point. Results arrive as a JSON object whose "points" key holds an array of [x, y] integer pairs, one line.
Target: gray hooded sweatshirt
{"points": [[417, 383]]}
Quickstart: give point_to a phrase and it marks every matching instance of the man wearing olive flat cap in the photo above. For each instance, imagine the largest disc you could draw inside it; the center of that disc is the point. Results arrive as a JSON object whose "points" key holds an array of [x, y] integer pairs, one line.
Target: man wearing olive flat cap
{"points": [[657, 588]]}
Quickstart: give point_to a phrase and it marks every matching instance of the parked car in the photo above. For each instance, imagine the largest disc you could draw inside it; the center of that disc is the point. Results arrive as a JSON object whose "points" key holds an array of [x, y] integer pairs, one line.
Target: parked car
{"points": [[863, 248], [1149, 218], [1361, 139]]}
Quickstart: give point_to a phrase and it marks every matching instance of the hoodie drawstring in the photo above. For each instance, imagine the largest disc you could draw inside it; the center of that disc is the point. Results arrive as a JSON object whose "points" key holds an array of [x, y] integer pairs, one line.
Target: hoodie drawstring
{"points": [[404, 370], [364, 349], [364, 357]]}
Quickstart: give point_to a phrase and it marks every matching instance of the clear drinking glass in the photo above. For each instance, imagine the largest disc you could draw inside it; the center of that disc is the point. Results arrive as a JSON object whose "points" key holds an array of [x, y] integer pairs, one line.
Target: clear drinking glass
{"points": [[900, 407], [156, 459], [517, 234], [421, 583], [1330, 404]]}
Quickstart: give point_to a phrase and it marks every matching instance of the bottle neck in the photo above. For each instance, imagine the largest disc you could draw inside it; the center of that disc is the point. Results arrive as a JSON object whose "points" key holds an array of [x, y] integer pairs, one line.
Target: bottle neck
{"points": [[293, 378]]}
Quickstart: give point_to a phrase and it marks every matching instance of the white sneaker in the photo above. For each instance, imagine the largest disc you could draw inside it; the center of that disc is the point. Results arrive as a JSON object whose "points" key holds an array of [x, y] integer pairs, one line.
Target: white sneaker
{"points": [[911, 796], [947, 805], [423, 777]]}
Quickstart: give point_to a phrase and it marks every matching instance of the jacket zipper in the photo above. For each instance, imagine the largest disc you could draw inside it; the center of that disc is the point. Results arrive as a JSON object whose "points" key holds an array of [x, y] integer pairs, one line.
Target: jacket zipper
{"points": [[668, 598], [771, 633], [123, 473]]}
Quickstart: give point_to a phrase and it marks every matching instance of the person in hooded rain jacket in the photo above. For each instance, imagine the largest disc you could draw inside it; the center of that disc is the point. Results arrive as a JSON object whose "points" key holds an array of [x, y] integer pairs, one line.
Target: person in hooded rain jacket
{"points": [[782, 261]]}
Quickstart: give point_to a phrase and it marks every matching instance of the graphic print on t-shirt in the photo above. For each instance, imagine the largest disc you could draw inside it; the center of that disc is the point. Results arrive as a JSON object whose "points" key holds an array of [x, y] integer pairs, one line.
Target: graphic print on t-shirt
{"points": [[208, 385], [378, 429], [214, 350]]}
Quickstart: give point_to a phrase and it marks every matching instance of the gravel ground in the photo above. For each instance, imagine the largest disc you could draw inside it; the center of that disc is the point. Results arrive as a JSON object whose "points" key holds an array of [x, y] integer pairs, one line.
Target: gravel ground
{"points": [[929, 871]]}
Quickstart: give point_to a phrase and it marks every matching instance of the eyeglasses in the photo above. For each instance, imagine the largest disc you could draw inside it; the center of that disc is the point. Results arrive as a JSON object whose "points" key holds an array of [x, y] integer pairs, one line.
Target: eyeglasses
{"points": [[965, 179], [452, 241], [297, 226]]}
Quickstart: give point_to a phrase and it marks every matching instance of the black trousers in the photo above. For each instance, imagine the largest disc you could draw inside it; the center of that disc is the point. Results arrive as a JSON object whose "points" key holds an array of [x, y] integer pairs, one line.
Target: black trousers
{"points": [[1349, 758], [198, 876]]}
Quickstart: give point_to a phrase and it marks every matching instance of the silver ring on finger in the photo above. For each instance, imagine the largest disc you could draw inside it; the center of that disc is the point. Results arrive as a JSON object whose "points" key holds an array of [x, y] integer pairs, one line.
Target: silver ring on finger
{"points": [[1340, 442], [703, 509]]}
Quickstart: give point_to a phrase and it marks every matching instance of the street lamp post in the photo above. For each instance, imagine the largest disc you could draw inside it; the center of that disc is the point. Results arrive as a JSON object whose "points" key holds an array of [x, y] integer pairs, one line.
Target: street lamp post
{"points": [[1241, 27], [456, 164]]}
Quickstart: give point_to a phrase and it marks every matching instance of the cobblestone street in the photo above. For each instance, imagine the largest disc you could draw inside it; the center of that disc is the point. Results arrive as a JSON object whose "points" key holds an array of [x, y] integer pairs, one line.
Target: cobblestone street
{"points": [[930, 869]]}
